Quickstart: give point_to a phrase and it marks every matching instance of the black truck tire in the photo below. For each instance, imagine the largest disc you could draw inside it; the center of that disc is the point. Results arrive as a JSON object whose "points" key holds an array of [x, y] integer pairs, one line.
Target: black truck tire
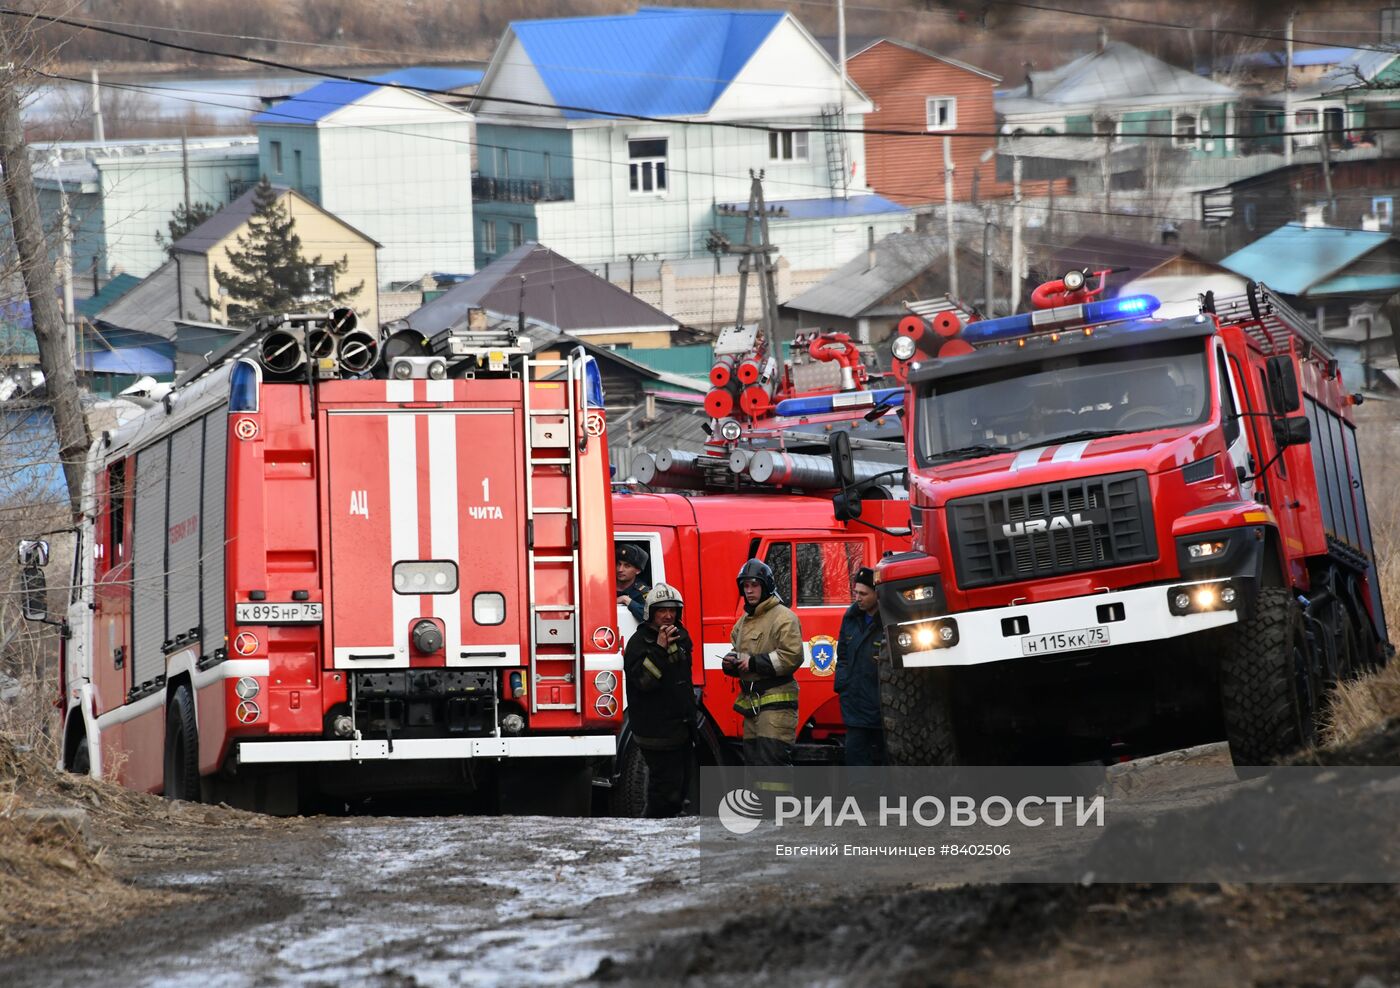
{"points": [[181, 747], [917, 709], [1269, 683], [629, 792]]}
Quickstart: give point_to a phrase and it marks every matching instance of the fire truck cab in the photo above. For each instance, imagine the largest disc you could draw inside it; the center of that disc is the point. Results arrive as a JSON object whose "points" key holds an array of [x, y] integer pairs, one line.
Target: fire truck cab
{"points": [[1129, 535], [697, 543]]}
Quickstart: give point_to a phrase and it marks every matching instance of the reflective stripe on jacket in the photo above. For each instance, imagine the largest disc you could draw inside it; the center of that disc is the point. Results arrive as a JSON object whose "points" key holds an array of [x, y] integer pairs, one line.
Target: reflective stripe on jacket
{"points": [[772, 637]]}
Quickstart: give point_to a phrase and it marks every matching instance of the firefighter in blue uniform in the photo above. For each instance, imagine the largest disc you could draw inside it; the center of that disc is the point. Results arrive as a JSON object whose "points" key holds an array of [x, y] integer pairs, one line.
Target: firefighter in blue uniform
{"points": [[632, 592], [857, 676]]}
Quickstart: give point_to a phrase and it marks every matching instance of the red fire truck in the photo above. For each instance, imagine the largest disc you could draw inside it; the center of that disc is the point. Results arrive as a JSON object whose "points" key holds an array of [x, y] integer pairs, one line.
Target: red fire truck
{"points": [[1129, 534], [315, 568], [762, 488]]}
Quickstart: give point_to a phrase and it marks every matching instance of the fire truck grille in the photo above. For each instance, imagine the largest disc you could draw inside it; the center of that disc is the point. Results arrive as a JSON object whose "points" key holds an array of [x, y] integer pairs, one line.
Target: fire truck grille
{"points": [[1083, 524]]}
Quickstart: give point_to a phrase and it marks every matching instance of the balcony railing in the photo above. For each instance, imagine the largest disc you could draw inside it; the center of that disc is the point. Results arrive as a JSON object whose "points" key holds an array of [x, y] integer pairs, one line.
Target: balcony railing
{"points": [[489, 189]]}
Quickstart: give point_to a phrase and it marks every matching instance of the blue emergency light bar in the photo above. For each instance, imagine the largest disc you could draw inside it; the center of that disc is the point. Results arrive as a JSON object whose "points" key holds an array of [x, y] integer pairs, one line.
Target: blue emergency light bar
{"points": [[839, 402], [1060, 317]]}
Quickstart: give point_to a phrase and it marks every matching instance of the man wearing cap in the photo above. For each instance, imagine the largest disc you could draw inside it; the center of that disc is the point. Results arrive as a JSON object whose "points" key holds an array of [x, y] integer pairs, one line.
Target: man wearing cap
{"points": [[631, 592], [767, 644], [857, 676]]}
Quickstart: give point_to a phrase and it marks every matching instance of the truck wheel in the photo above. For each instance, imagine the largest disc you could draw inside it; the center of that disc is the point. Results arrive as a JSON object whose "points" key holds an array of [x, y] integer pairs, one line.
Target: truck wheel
{"points": [[917, 709], [1269, 683], [629, 793], [181, 747]]}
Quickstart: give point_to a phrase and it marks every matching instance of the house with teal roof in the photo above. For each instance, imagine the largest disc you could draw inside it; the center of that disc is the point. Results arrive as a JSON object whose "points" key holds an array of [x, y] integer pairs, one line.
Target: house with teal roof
{"points": [[634, 135]]}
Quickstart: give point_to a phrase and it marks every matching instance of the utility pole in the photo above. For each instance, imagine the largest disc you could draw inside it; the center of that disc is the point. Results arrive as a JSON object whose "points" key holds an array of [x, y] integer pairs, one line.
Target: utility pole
{"points": [[1288, 89], [55, 359], [841, 102], [948, 212], [757, 213], [98, 133], [185, 170], [1014, 290], [988, 283]]}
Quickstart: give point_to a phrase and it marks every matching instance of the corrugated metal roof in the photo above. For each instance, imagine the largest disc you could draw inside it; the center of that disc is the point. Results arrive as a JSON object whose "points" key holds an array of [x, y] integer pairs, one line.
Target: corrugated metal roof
{"points": [[552, 290], [150, 307], [436, 78], [1358, 68], [822, 209], [217, 228], [1098, 252], [1294, 257], [1120, 74], [110, 292], [656, 62], [857, 285], [1357, 284], [320, 101]]}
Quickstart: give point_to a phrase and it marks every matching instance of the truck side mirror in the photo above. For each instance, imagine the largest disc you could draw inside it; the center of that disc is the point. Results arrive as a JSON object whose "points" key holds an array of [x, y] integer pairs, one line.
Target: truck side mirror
{"points": [[847, 503], [840, 444], [1292, 432], [34, 597], [1283, 385]]}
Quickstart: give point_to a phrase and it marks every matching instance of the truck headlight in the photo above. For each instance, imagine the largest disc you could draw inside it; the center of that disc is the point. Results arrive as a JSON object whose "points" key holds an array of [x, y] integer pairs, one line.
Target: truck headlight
{"points": [[925, 592], [903, 347], [1202, 598], [1206, 550]]}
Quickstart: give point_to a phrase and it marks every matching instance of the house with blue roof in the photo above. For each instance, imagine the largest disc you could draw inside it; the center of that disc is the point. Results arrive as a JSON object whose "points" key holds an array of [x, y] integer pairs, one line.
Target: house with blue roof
{"points": [[1340, 277], [390, 161], [617, 136]]}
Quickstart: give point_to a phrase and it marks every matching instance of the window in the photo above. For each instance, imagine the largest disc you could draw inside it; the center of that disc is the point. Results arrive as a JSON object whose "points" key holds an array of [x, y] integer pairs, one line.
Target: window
{"points": [[1186, 125], [502, 163], [825, 573], [116, 513], [517, 235], [323, 280], [787, 145], [646, 165], [488, 236], [779, 560], [941, 112], [1383, 208], [1229, 414], [276, 148]]}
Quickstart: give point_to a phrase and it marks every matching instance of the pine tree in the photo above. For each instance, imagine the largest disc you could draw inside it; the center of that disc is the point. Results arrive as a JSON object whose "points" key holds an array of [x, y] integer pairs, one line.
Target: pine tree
{"points": [[270, 275], [184, 219]]}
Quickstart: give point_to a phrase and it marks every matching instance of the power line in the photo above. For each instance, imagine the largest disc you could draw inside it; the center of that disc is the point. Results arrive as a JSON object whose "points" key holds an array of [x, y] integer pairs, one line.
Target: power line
{"points": [[610, 114]]}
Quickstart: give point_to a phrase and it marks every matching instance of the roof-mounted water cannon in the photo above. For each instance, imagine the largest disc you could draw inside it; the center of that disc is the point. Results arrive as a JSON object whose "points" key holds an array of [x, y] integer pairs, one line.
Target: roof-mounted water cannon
{"points": [[744, 377], [1073, 287]]}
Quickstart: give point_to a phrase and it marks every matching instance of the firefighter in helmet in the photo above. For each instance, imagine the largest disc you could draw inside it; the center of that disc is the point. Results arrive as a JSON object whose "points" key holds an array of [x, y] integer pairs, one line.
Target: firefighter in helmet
{"points": [[767, 644], [660, 700], [631, 592]]}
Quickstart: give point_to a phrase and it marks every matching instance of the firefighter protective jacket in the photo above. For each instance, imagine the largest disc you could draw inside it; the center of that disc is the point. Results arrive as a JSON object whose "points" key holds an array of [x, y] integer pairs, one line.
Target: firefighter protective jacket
{"points": [[772, 637], [660, 700], [857, 677]]}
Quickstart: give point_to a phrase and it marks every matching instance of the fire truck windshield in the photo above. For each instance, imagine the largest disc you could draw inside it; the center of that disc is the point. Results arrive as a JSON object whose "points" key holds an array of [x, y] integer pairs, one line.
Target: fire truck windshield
{"points": [[1063, 397]]}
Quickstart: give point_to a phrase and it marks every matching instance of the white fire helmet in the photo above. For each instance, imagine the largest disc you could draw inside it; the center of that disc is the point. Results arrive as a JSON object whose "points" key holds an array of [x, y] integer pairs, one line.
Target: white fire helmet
{"points": [[663, 595]]}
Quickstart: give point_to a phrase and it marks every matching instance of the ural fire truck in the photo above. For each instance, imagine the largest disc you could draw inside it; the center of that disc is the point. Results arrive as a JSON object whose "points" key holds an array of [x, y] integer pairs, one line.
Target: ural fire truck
{"points": [[315, 567], [761, 488], [1129, 534]]}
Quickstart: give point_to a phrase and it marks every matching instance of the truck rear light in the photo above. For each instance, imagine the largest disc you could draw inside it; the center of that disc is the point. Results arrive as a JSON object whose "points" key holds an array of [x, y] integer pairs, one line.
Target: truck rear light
{"points": [[425, 576], [606, 705], [512, 724], [1201, 598], [246, 688], [248, 711], [605, 681], [246, 643]]}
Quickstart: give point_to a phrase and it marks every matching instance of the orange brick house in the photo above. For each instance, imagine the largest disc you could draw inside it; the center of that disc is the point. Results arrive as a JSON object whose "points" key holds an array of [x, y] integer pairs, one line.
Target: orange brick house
{"points": [[916, 89]]}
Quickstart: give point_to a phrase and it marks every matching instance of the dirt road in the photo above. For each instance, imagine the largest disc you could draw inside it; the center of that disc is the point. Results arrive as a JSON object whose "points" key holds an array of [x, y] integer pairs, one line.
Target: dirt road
{"points": [[145, 892]]}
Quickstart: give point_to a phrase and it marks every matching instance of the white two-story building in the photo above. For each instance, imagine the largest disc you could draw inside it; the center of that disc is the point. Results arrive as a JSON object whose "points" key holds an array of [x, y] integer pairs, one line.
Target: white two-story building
{"points": [[604, 137]]}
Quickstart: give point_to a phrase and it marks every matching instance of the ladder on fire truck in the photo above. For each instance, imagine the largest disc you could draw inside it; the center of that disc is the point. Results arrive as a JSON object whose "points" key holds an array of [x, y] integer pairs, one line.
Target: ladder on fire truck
{"points": [[551, 413]]}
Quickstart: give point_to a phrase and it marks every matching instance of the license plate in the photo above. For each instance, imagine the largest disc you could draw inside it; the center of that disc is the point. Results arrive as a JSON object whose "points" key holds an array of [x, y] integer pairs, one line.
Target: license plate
{"points": [[279, 612], [1064, 641]]}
